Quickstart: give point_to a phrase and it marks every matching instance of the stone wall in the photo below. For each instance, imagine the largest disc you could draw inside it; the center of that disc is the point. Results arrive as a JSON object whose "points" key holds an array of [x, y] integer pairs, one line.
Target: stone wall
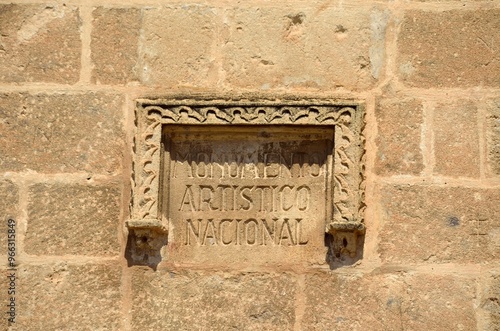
{"points": [[428, 73]]}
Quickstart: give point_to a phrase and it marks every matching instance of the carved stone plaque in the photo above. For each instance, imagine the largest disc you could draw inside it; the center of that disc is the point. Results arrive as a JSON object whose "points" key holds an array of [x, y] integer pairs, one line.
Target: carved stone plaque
{"points": [[247, 183], [247, 194]]}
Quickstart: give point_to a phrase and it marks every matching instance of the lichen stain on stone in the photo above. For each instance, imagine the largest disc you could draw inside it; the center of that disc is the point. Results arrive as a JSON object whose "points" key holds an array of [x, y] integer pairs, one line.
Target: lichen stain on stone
{"points": [[453, 221]]}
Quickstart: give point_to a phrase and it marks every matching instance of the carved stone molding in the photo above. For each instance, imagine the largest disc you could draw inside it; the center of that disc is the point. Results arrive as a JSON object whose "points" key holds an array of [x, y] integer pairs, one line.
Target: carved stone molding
{"points": [[348, 160]]}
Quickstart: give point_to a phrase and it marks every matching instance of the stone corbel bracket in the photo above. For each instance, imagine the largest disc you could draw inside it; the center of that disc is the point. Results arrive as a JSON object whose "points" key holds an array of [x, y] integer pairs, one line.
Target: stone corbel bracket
{"points": [[348, 159]]}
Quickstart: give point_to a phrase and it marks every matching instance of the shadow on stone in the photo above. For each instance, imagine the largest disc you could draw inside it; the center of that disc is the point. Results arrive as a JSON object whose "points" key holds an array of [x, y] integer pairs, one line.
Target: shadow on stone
{"points": [[344, 248], [144, 246]]}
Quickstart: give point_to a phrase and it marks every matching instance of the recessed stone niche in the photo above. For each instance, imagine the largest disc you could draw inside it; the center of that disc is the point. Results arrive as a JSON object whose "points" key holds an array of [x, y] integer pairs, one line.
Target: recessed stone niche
{"points": [[247, 183]]}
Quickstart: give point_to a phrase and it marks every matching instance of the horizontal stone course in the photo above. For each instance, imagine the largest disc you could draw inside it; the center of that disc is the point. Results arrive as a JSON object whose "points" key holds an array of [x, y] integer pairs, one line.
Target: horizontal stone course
{"points": [[431, 250], [422, 224], [303, 47], [40, 43], [177, 46], [55, 133], [490, 300], [389, 302], [69, 297], [73, 219], [212, 301], [455, 48]]}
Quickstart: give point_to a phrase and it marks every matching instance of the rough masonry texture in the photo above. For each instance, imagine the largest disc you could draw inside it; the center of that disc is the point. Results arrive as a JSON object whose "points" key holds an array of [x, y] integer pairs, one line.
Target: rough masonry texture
{"points": [[293, 190], [27, 31], [256, 165]]}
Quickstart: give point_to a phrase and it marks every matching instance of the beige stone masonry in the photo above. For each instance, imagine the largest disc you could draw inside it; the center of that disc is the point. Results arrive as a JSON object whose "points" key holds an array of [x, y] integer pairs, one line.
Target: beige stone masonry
{"points": [[426, 73], [39, 43], [115, 36], [456, 139], [400, 125], [82, 207], [63, 132], [439, 224], [77, 297], [449, 49], [258, 300], [389, 302]]}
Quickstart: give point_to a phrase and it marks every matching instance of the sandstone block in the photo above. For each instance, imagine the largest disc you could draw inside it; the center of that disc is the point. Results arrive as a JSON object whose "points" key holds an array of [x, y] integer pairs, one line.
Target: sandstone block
{"points": [[39, 43], [73, 219], [456, 139], [177, 46], [247, 214], [439, 224], [456, 48], [65, 297], [8, 208], [63, 133], [490, 301], [493, 136], [388, 302], [304, 47], [399, 137], [115, 37], [212, 301]]}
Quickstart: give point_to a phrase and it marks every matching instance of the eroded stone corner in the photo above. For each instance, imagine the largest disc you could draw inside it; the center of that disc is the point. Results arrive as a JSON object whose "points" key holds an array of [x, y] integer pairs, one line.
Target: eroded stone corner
{"points": [[145, 240]]}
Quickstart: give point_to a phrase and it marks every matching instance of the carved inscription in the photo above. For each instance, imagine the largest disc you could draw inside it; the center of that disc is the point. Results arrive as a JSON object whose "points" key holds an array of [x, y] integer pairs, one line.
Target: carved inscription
{"points": [[256, 198], [245, 232], [253, 166], [241, 170], [258, 190]]}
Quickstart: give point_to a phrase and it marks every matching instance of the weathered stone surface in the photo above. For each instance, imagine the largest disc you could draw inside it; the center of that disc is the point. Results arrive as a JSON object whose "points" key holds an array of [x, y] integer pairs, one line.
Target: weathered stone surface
{"points": [[9, 198], [66, 297], [73, 219], [177, 46], [456, 48], [439, 224], [303, 46], [212, 301], [61, 132], [490, 301], [456, 139], [388, 302], [493, 136], [247, 197], [39, 43], [399, 124], [114, 46], [431, 253]]}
